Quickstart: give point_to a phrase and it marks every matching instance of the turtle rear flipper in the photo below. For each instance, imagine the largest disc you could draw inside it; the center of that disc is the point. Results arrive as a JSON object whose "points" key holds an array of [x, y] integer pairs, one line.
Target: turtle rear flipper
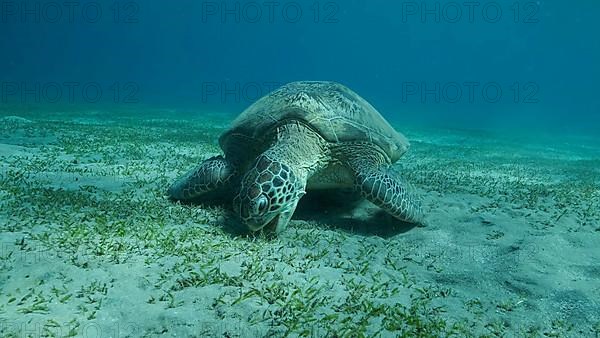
{"points": [[209, 177]]}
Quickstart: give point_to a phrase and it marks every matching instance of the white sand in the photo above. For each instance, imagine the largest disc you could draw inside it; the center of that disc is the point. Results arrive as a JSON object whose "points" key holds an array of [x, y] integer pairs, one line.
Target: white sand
{"points": [[91, 247]]}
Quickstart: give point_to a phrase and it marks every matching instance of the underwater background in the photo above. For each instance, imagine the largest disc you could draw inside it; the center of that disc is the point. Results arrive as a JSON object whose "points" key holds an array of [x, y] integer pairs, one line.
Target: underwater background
{"points": [[526, 64], [104, 104]]}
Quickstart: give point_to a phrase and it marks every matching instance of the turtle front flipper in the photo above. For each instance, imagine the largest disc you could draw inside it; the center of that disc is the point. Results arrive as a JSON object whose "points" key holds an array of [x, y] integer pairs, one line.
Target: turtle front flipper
{"points": [[384, 188], [211, 175]]}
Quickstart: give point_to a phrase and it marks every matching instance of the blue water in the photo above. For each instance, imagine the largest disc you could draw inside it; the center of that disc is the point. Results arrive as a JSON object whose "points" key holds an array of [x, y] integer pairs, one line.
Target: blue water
{"points": [[90, 242], [499, 64]]}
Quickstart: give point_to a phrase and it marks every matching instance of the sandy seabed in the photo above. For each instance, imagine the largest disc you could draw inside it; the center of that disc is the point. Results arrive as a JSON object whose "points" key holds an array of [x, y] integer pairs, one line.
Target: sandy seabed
{"points": [[92, 247]]}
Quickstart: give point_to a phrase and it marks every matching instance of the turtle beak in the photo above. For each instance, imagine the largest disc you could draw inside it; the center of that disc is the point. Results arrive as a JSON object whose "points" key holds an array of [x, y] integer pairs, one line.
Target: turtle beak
{"points": [[280, 222], [272, 225], [283, 219], [269, 226]]}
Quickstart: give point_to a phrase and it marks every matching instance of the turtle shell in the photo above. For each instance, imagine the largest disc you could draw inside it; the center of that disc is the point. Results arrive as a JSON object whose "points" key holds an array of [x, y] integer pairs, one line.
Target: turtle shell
{"points": [[335, 111]]}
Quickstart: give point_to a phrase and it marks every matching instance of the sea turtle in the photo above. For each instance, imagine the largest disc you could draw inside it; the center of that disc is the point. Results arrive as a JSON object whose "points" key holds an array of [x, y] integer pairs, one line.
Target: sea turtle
{"points": [[304, 135]]}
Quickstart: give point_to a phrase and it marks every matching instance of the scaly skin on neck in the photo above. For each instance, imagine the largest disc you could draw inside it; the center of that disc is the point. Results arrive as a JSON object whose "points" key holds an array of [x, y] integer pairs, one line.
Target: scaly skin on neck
{"points": [[300, 148]]}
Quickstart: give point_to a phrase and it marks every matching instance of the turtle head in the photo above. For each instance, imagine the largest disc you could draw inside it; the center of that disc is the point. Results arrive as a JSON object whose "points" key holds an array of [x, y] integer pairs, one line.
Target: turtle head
{"points": [[268, 195]]}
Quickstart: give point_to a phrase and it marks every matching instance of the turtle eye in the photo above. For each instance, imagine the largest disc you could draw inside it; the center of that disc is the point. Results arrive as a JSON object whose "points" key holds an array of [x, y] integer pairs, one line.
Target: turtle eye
{"points": [[262, 205]]}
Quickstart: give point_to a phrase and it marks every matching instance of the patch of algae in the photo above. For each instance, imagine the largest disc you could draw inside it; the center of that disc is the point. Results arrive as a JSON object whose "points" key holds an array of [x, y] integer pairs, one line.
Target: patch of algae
{"points": [[91, 244]]}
